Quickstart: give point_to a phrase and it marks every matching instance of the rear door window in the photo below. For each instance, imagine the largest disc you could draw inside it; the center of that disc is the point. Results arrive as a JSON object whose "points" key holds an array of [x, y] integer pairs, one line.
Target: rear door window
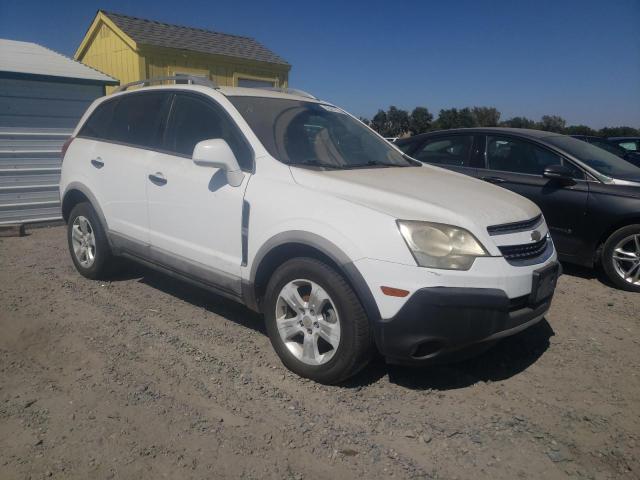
{"points": [[194, 119], [139, 118], [451, 150]]}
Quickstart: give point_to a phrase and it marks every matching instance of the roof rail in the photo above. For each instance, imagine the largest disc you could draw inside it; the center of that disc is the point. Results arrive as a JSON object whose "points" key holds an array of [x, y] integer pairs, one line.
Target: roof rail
{"points": [[190, 79], [291, 91]]}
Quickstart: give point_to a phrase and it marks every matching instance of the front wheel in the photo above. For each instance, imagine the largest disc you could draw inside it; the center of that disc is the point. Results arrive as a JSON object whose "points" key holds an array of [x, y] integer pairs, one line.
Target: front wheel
{"points": [[621, 258], [315, 321]]}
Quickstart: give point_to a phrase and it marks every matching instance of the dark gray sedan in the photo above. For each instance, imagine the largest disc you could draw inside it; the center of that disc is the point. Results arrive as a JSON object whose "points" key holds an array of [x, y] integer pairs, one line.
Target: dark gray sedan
{"points": [[589, 197]]}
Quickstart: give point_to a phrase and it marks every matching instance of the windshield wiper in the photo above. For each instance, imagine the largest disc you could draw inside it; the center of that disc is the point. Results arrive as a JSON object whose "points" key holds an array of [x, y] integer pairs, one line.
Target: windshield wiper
{"points": [[314, 163], [412, 161], [370, 163], [373, 163]]}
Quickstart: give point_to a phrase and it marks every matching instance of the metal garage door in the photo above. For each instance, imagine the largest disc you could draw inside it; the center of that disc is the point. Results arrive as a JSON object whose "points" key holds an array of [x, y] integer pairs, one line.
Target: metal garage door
{"points": [[30, 173]]}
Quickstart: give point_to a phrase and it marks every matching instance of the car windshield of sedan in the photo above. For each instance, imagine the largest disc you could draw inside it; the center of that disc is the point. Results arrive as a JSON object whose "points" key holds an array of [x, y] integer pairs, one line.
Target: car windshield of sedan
{"points": [[312, 134], [604, 162]]}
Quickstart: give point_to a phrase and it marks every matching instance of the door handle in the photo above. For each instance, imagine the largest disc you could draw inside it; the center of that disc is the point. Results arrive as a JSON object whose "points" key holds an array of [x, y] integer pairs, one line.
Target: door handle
{"points": [[158, 178], [97, 162], [493, 179]]}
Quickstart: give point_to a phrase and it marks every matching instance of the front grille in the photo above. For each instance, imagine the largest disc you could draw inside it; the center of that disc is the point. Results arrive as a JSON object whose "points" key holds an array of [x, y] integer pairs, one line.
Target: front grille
{"points": [[524, 252], [514, 227]]}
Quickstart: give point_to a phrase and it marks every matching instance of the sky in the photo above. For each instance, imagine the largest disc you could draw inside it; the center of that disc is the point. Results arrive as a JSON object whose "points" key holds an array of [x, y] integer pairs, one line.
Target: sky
{"points": [[579, 59]]}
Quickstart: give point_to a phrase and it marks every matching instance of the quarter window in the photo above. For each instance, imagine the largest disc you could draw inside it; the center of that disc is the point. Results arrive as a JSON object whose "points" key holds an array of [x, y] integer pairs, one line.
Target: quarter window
{"points": [[194, 119], [97, 126], [629, 146], [183, 78], [452, 150]]}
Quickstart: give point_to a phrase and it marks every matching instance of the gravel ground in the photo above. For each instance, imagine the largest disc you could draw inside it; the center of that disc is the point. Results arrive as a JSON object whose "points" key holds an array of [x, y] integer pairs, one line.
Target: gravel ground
{"points": [[145, 377]]}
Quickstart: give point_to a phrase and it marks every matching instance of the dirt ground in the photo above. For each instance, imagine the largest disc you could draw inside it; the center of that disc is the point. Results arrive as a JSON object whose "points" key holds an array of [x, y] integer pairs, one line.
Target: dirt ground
{"points": [[144, 377]]}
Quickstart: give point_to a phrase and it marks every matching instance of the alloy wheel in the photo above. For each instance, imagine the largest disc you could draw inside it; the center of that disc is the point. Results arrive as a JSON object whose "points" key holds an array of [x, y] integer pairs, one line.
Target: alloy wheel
{"points": [[84, 241], [626, 259], [308, 322]]}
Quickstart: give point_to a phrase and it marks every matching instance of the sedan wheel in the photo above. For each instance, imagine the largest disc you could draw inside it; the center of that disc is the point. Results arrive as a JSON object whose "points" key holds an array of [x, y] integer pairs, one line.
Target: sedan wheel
{"points": [[626, 259]]}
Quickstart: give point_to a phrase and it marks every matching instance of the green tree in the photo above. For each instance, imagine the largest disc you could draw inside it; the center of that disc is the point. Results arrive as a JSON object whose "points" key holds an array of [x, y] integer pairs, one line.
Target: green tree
{"points": [[466, 118], [379, 122], [454, 118], [619, 132], [485, 116], [552, 123], [398, 122], [580, 130], [420, 120], [518, 122], [364, 120], [447, 118]]}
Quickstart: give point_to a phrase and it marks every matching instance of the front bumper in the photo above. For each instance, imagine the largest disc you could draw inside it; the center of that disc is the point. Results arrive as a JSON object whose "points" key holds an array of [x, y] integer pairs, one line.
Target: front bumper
{"points": [[440, 322]]}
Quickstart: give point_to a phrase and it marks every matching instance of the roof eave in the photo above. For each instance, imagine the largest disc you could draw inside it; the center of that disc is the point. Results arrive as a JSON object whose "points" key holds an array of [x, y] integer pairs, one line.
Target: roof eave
{"points": [[93, 30], [58, 78], [145, 47]]}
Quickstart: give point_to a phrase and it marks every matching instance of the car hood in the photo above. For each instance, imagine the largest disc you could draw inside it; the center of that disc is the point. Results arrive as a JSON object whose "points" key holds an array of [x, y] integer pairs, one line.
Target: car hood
{"points": [[422, 193]]}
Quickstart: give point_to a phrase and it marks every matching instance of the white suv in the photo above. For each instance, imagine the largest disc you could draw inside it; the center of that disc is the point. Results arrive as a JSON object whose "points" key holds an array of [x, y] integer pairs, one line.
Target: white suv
{"points": [[290, 205]]}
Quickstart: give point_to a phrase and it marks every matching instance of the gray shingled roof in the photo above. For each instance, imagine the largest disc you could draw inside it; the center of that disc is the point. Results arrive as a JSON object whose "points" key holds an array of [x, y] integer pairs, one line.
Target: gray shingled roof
{"points": [[150, 32]]}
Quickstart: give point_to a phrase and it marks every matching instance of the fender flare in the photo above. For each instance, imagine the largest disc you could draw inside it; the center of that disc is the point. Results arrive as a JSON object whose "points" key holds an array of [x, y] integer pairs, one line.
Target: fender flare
{"points": [[82, 188], [326, 247]]}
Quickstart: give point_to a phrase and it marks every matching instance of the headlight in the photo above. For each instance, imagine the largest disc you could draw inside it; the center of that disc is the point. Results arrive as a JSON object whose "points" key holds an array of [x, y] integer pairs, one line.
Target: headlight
{"points": [[437, 245]]}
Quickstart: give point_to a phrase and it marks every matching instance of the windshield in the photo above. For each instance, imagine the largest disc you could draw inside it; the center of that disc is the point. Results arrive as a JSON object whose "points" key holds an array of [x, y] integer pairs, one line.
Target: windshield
{"points": [[604, 162], [305, 133]]}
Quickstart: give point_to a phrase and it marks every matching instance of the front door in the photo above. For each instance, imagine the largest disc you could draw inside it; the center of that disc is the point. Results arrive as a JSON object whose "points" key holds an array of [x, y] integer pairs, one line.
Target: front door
{"points": [[518, 165], [195, 216]]}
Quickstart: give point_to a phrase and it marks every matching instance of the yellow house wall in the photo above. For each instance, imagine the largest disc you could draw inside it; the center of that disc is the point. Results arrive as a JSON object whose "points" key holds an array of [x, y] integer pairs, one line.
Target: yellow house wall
{"points": [[222, 70], [108, 53]]}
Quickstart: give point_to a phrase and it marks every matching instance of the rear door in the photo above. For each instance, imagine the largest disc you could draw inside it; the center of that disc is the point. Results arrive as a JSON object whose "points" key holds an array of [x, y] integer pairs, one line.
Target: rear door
{"points": [[121, 132], [518, 165], [452, 152]]}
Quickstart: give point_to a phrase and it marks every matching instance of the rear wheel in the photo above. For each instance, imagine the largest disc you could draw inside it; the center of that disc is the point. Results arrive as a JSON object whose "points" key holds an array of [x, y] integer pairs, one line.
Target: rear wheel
{"points": [[88, 245], [621, 258], [315, 321]]}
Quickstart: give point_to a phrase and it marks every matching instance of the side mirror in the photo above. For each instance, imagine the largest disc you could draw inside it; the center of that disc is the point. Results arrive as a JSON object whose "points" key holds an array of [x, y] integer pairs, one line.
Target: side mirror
{"points": [[217, 153], [559, 173]]}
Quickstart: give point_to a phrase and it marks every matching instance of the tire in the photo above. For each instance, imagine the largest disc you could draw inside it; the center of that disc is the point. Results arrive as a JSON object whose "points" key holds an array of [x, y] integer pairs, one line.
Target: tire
{"points": [[626, 239], [339, 316], [100, 262]]}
